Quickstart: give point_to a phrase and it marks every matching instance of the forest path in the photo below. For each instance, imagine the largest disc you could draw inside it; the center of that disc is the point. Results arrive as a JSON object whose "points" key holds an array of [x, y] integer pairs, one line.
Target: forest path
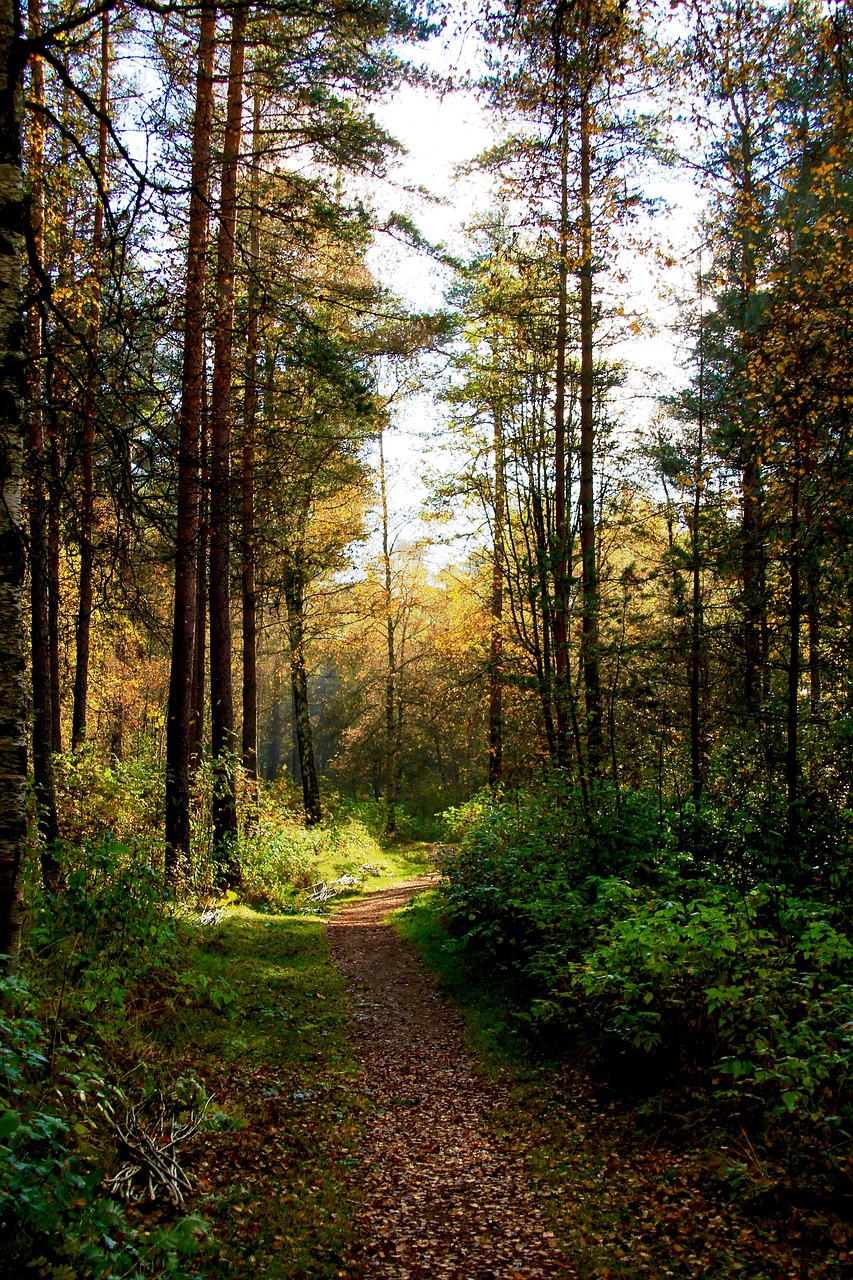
{"points": [[444, 1195]]}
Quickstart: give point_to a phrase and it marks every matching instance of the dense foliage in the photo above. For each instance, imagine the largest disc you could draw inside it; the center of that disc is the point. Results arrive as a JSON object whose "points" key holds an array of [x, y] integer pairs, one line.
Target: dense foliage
{"points": [[687, 949]]}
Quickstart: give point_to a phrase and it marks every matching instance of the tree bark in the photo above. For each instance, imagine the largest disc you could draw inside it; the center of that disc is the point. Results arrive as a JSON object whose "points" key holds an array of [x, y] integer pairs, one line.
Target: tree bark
{"points": [[53, 596], [295, 598], [189, 431], [589, 641], [42, 731], [57, 394], [13, 747], [542, 654], [221, 692], [561, 534], [696, 599], [247, 487], [755, 643], [87, 447], [391, 670], [275, 752], [496, 638], [812, 571], [795, 616], [200, 643]]}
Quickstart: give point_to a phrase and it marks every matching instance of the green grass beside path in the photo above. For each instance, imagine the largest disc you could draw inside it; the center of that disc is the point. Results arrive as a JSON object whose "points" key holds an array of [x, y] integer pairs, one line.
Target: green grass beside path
{"points": [[276, 1172]]}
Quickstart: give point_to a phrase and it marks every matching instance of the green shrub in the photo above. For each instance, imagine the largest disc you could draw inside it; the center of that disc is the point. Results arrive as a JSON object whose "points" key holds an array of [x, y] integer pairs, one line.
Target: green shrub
{"points": [[54, 1217], [768, 1010], [111, 937], [653, 935]]}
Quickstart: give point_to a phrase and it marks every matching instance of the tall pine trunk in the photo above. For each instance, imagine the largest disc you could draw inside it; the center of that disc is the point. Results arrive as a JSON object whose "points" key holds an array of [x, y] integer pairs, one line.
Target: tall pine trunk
{"points": [[247, 486], [752, 559], [543, 632], [221, 692], [589, 641], [13, 746], [189, 431], [561, 533], [197, 700], [42, 732], [696, 618], [57, 379], [294, 592], [813, 589], [795, 617], [274, 759], [391, 669], [53, 592], [87, 448], [496, 674]]}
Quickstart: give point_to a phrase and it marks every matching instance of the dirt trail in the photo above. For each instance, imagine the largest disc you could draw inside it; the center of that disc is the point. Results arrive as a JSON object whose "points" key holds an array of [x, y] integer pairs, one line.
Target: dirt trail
{"points": [[444, 1195]]}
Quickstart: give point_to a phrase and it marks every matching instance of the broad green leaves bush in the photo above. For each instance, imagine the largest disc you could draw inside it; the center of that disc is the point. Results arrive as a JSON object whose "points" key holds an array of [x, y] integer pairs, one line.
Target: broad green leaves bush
{"points": [[54, 1216], [693, 948]]}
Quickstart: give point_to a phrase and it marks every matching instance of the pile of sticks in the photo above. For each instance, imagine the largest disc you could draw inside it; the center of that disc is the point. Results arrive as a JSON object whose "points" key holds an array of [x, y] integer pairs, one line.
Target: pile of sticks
{"points": [[151, 1138], [325, 890]]}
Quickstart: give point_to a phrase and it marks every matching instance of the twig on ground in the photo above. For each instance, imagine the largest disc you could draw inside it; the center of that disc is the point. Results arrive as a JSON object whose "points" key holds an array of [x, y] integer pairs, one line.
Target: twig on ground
{"points": [[152, 1140]]}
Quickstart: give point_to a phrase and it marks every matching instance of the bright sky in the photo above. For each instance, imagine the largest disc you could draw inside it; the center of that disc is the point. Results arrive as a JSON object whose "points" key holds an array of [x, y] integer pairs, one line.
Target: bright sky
{"points": [[440, 132], [443, 131]]}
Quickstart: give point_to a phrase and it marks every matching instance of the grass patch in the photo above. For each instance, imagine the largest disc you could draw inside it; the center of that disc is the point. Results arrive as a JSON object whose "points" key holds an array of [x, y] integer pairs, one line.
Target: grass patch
{"points": [[390, 862], [274, 1175]]}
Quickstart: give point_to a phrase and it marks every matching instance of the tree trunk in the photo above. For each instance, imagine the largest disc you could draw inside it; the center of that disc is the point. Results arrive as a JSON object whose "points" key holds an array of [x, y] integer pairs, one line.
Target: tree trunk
{"points": [[247, 488], [200, 642], [42, 732], [589, 642], [221, 692], [561, 534], [752, 571], [791, 753], [13, 746], [274, 759], [696, 600], [813, 597], [189, 431], [295, 598], [391, 672], [542, 655], [57, 394], [53, 545], [87, 448], [496, 638]]}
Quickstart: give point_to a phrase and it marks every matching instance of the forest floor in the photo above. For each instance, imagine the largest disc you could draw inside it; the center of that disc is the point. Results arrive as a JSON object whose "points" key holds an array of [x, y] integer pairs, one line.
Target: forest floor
{"points": [[444, 1193], [377, 1116]]}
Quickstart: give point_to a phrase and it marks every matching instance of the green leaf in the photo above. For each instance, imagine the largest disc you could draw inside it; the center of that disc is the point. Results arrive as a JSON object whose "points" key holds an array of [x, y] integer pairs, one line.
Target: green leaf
{"points": [[10, 1122]]}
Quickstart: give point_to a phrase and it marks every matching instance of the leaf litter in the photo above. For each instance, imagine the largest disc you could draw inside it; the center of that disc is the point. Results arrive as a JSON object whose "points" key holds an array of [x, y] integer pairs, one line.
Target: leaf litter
{"points": [[444, 1193]]}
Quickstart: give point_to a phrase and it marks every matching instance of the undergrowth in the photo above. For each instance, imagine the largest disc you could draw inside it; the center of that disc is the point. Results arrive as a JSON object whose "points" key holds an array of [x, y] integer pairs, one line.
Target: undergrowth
{"points": [[698, 953], [136, 994], [634, 1187]]}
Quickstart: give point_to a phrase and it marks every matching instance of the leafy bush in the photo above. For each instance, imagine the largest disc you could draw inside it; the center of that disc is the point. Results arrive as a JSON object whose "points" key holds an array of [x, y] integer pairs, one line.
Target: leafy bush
{"points": [[99, 801], [457, 822], [654, 936], [54, 1218], [111, 937], [535, 871]]}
